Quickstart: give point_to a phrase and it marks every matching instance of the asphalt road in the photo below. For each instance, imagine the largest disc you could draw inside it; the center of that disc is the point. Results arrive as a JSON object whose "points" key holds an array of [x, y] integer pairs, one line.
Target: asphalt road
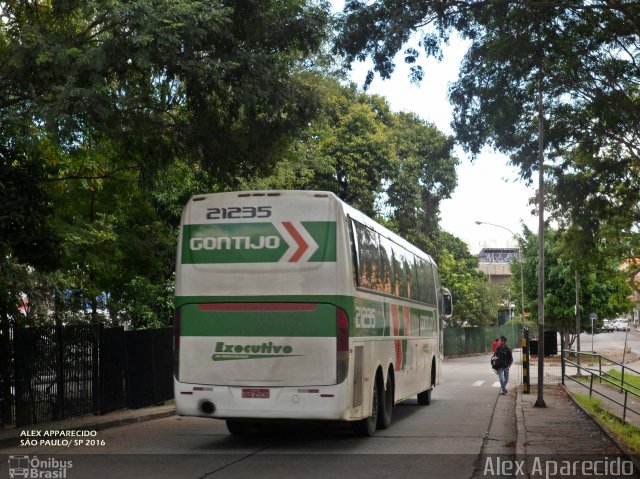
{"points": [[443, 439], [613, 341], [466, 418]]}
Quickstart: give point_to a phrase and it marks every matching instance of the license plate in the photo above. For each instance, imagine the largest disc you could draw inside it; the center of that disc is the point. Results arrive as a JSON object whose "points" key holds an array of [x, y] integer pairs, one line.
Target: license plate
{"points": [[255, 393]]}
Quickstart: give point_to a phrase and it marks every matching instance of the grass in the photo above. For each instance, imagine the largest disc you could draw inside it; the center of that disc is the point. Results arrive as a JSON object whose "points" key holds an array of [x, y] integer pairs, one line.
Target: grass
{"points": [[630, 379], [626, 433]]}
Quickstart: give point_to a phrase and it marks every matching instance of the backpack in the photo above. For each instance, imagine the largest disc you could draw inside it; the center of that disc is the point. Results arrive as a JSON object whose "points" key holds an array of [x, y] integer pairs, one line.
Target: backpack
{"points": [[496, 361]]}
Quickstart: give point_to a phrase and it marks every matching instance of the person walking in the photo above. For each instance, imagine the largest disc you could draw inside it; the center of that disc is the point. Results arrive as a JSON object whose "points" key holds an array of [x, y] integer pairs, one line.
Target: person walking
{"points": [[495, 344], [505, 359]]}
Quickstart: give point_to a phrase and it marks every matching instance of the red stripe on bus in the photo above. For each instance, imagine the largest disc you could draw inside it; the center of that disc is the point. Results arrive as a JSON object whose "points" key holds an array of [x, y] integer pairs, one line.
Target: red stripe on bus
{"points": [[302, 244], [257, 307]]}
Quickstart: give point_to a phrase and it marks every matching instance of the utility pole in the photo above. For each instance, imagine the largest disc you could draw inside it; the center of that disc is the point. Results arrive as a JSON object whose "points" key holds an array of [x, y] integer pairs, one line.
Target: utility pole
{"points": [[578, 319], [540, 399]]}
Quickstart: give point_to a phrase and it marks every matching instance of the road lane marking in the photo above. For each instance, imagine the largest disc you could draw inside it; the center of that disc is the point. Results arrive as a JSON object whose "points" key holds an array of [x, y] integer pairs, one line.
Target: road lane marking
{"points": [[478, 383]]}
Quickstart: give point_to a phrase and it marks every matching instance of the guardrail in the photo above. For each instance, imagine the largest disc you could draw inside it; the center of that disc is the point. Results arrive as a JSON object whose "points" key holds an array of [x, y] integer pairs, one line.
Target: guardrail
{"points": [[620, 384]]}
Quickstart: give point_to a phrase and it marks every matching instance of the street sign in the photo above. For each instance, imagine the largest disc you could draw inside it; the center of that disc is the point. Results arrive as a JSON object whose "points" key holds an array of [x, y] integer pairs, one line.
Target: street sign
{"points": [[592, 317]]}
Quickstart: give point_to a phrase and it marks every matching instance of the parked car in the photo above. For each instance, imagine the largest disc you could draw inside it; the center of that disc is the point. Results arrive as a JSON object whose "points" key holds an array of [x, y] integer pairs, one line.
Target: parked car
{"points": [[608, 326], [621, 325]]}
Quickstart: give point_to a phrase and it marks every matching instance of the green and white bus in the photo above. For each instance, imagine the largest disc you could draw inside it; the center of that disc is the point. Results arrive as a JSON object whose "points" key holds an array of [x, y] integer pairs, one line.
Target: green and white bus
{"points": [[294, 305]]}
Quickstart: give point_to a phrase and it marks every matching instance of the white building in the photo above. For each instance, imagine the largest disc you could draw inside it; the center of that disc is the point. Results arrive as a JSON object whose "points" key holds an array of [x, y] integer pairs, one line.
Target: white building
{"points": [[496, 263]]}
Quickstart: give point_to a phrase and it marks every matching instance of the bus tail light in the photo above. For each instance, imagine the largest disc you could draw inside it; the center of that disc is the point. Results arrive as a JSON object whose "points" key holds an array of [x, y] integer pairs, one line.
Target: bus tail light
{"points": [[342, 345], [176, 345]]}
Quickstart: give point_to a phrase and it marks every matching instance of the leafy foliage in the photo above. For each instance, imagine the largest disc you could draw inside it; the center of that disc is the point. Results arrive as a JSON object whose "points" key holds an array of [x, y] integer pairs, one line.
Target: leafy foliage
{"points": [[476, 302], [425, 176], [604, 287], [581, 57], [391, 165], [112, 114]]}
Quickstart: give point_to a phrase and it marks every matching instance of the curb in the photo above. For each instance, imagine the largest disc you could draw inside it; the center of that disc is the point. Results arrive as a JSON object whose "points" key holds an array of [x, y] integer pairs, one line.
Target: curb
{"points": [[521, 430], [129, 420], [12, 441]]}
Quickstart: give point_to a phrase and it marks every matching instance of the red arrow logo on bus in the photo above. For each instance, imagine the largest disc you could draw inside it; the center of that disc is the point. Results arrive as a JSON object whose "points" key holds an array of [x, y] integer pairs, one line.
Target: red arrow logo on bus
{"points": [[302, 244]]}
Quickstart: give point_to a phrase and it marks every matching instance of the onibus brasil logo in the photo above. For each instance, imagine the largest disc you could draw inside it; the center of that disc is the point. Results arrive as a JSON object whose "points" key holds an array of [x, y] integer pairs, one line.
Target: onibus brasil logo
{"points": [[33, 467], [229, 352]]}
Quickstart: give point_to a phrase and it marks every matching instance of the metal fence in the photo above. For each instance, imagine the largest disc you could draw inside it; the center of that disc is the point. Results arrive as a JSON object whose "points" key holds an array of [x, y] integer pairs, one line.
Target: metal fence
{"points": [[552, 372], [578, 366], [53, 373], [460, 341]]}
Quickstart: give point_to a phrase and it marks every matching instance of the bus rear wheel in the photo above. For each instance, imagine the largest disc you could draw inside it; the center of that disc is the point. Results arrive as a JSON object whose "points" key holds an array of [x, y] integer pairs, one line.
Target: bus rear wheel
{"points": [[424, 398], [367, 427], [386, 404]]}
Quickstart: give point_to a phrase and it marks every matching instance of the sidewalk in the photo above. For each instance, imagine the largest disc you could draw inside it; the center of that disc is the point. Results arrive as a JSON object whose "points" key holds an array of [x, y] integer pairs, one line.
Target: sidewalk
{"points": [[560, 428], [563, 432], [10, 436]]}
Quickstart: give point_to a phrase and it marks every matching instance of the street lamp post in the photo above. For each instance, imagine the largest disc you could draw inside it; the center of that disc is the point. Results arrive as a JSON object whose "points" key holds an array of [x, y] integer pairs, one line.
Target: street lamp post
{"points": [[518, 238]]}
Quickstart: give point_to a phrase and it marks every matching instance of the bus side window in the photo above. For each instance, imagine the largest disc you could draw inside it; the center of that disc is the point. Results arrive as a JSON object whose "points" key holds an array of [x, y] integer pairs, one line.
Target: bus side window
{"points": [[368, 258], [422, 281], [387, 272], [402, 270], [414, 284], [426, 285], [431, 286], [447, 303], [354, 253]]}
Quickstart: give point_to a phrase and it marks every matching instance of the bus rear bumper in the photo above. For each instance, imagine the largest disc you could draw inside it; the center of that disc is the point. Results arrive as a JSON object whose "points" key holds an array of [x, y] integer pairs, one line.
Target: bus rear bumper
{"points": [[303, 402]]}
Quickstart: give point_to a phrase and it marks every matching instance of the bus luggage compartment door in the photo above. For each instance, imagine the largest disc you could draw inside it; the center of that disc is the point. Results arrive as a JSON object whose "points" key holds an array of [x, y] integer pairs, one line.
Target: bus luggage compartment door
{"points": [[258, 344]]}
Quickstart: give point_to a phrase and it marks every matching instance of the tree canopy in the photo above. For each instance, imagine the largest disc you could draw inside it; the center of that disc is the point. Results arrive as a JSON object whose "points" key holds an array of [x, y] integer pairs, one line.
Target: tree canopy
{"points": [[581, 57], [113, 113], [604, 287], [393, 166], [219, 84]]}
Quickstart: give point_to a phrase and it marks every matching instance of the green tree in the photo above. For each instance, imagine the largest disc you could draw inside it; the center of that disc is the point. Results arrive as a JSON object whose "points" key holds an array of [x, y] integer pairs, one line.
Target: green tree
{"points": [[113, 113], [209, 82], [27, 239], [584, 62], [393, 166], [586, 50], [425, 176], [396, 168], [596, 202], [347, 149], [475, 302], [360, 152], [604, 287], [582, 56]]}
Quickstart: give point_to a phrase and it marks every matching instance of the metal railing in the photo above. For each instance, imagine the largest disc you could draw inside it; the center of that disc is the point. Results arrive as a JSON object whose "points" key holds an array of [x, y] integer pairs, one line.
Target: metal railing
{"points": [[593, 373], [59, 372]]}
